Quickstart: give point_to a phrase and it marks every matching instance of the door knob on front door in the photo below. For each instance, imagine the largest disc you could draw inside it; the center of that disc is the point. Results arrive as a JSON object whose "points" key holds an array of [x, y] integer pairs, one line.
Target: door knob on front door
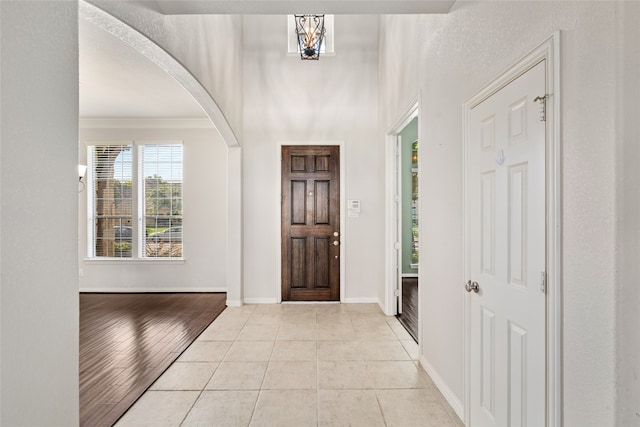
{"points": [[472, 286], [336, 243]]}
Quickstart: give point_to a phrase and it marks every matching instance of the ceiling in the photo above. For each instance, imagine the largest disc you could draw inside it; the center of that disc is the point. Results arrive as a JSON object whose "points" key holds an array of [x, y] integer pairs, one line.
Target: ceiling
{"points": [[116, 81], [285, 7]]}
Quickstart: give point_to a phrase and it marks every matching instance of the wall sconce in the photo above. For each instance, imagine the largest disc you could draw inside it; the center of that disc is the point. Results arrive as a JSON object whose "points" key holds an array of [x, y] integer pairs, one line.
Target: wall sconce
{"points": [[310, 34], [82, 170]]}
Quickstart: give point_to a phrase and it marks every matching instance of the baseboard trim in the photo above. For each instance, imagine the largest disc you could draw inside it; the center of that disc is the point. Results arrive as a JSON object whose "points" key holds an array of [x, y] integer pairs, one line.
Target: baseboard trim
{"points": [[309, 302], [234, 303], [261, 301], [149, 290], [361, 300], [448, 394], [365, 300]]}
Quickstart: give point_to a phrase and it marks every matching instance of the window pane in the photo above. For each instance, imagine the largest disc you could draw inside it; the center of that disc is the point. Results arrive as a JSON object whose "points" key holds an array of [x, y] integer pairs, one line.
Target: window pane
{"points": [[162, 190], [111, 200], [116, 238]]}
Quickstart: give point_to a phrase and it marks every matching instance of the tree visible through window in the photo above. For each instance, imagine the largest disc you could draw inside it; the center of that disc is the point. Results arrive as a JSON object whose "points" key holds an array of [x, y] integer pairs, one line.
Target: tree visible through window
{"points": [[110, 201], [162, 199]]}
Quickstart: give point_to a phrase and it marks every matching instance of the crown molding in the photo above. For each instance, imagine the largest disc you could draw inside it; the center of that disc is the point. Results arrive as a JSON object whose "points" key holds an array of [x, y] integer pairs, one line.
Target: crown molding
{"points": [[141, 123]]}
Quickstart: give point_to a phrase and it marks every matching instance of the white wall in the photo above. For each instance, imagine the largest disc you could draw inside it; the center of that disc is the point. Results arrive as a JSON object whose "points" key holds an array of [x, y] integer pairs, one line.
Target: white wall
{"points": [[628, 298], [450, 57], [38, 216], [205, 213], [209, 46], [290, 100]]}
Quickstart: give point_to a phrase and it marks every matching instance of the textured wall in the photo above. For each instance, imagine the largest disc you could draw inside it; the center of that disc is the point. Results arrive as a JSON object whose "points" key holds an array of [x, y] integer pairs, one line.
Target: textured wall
{"points": [[628, 298], [289, 100], [449, 58], [38, 171]]}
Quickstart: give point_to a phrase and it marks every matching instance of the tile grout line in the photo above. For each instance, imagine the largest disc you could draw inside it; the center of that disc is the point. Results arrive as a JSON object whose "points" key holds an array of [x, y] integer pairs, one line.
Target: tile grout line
{"points": [[385, 354], [204, 387], [264, 376], [317, 376]]}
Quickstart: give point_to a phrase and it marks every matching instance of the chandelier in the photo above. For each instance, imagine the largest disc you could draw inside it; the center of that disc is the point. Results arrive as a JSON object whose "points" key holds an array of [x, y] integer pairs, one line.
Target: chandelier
{"points": [[310, 34]]}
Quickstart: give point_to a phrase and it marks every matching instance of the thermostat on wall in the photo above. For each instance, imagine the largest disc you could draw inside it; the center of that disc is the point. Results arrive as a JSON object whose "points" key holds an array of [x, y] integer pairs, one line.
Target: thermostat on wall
{"points": [[353, 208]]}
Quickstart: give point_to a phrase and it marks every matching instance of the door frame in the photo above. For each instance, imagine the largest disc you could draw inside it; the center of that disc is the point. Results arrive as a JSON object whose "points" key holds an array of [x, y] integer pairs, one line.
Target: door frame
{"points": [[392, 235], [549, 51], [343, 229]]}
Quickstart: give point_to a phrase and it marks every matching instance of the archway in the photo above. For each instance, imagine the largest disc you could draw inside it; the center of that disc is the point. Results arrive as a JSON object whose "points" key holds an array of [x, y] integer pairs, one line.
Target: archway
{"points": [[175, 69]]}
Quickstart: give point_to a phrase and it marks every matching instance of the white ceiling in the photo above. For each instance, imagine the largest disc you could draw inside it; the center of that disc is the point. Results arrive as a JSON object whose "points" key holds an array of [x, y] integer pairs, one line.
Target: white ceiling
{"points": [[285, 7], [116, 81]]}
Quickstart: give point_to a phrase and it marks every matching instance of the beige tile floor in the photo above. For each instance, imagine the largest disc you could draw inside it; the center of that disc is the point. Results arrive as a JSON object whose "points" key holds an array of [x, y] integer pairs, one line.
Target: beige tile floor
{"points": [[296, 365]]}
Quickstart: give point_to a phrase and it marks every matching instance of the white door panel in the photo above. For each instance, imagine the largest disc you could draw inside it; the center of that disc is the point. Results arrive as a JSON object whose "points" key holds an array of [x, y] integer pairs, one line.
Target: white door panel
{"points": [[506, 217]]}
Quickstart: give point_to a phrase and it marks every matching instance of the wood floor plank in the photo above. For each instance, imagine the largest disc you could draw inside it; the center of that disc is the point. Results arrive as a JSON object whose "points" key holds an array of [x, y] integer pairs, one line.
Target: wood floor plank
{"points": [[409, 316], [128, 340]]}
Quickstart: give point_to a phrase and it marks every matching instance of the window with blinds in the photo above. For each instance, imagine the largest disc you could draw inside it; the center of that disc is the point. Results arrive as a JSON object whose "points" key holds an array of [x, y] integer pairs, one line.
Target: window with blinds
{"points": [[161, 200], [110, 201], [116, 189]]}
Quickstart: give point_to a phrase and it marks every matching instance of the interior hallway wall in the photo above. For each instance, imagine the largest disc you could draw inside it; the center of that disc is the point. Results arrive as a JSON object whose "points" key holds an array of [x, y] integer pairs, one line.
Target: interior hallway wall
{"points": [[290, 100], [448, 58], [38, 216]]}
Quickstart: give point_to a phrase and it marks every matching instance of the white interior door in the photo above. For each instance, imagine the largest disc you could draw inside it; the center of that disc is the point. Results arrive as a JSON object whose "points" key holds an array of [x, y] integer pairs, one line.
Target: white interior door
{"points": [[506, 255]]}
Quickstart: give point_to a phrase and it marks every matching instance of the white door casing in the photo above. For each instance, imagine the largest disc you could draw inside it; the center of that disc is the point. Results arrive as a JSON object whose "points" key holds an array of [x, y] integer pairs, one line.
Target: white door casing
{"points": [[506, 199], [393, 235], [398, 215]]}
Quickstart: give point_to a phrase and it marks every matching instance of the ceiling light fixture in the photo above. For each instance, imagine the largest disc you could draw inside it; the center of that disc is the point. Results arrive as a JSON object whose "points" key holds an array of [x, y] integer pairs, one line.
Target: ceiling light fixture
{"points": [[310, 34]]}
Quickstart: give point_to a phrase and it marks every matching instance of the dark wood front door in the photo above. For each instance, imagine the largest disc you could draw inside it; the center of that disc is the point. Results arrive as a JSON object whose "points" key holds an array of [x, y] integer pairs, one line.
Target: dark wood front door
{"points": [[310, 223]]}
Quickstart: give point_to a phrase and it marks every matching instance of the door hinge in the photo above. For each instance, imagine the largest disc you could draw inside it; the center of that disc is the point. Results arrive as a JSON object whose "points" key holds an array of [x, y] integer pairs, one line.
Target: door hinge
{"points": [[396, 245], [396, 292], [543, 282], [543, 107]]}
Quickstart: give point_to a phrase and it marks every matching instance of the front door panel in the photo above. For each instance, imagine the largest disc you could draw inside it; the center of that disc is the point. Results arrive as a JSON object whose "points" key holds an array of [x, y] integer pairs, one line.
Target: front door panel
{"points": [[310, 223]]}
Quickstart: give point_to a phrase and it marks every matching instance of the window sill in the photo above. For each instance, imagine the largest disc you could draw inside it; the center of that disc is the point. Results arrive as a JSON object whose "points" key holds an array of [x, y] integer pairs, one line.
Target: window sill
{"points": [[138, 261]]}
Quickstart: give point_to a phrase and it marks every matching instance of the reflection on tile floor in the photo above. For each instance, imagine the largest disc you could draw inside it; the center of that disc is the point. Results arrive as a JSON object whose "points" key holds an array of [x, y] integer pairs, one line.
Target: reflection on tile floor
{"points": [[296, 365]]}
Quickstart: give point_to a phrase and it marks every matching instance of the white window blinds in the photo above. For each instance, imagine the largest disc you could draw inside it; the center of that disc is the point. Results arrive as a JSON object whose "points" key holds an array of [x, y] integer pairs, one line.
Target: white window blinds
{"points": [[146, 180], [160, 200], [110, 201]]}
